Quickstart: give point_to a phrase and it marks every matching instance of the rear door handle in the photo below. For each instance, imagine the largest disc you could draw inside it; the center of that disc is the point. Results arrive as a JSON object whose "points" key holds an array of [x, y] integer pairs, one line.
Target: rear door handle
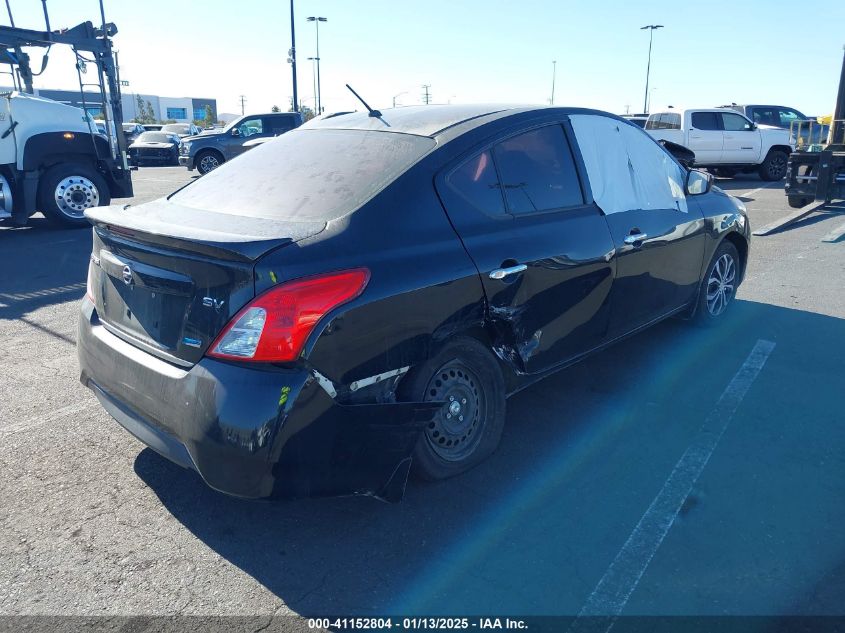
{"points": [[635, 237], [501, 273]]}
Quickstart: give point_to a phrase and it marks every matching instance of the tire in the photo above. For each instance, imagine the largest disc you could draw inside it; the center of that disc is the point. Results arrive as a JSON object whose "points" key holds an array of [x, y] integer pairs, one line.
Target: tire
{"points": [[774, 167], [66, 190], [796, 202], [725, 172], [722, 273], [208, 160], [466, 376]]}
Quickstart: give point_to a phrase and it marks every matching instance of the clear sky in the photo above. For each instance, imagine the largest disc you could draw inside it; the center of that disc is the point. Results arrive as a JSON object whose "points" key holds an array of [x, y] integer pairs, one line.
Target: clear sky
{"points": [[710, 52]]}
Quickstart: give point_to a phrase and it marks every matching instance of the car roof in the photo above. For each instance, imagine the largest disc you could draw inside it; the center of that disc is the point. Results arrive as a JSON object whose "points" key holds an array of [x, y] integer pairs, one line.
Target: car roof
{"points": [[427, 120]]}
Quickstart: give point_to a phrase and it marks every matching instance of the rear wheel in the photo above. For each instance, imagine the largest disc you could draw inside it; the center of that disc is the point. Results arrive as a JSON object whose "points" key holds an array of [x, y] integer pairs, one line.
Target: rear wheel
{"points": [[208, 161], [774, 167], [65, 191], [725, 172], [796, 202], [465, 376], [719, 286]]}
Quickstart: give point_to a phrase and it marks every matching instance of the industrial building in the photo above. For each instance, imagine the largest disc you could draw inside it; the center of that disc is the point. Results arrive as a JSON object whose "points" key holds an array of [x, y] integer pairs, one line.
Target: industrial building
{"points": [[179, 109]]}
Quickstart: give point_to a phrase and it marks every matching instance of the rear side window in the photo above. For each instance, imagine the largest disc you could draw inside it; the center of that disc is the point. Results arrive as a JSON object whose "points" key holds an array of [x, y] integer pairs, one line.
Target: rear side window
{"points": [[476, 181], [537, 171], [279, 125], [306, 174], [706, 121], [671, 121]]}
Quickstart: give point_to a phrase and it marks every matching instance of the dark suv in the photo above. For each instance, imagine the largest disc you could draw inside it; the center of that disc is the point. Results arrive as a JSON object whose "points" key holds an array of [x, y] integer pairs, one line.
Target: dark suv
{"points": [[209, 150]]}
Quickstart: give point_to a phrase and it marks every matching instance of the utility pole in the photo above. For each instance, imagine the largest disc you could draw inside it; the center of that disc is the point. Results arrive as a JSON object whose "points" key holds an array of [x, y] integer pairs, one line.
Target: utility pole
{"points": [[651, 29], [426, 97], [554, 72], [292, 59], [243, 100]]}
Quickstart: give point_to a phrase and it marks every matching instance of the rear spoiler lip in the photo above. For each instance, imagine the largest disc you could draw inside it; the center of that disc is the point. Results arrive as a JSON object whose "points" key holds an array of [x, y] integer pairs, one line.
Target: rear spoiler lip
{"points": [[224, 244]]}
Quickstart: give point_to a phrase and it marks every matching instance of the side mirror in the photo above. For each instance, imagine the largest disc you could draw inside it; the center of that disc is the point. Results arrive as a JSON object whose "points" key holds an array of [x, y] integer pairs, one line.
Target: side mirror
{"points": [[698, 182], [236, 131]]}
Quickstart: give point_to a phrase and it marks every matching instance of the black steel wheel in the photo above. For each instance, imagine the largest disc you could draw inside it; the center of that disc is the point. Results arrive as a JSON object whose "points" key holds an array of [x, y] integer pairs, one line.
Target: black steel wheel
{"points": [[466, 378]]}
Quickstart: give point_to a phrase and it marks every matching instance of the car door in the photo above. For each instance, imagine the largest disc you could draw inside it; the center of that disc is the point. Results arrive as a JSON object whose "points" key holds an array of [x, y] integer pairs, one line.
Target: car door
{"points": [[706, 138], [248, 129], [658, 235], [541, 247], [742, 139]]}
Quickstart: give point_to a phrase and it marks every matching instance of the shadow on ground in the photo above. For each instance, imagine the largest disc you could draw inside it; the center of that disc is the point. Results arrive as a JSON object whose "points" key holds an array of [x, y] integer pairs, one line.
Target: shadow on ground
{"points": [[42, 266], [532, 529]]}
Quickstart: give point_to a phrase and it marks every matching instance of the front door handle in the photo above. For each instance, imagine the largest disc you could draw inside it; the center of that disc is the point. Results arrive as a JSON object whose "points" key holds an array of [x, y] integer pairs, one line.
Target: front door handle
{"points": [[633, 238], [501, 273]]}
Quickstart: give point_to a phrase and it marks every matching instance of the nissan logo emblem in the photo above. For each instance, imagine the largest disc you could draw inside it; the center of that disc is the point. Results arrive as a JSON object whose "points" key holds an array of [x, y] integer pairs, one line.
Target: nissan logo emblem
{"points": [[127, 275]]}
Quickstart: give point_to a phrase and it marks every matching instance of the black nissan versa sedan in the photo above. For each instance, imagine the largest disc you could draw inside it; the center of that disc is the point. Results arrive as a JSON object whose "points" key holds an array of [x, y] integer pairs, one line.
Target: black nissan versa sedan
{"points": [[357, 298]]}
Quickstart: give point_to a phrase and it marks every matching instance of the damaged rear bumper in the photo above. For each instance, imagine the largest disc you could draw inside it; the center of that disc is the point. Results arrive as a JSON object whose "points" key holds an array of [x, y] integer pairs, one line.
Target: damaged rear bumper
{"points": [[251, 431]]}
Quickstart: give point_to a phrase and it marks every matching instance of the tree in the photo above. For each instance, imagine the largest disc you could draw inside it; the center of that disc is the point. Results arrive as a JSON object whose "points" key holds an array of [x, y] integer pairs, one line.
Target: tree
{"points": [[209, 116], [275, 108], [151, 115]]}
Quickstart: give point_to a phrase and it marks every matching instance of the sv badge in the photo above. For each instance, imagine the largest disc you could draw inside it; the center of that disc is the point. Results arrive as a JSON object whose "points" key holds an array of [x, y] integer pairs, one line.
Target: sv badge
{"points": [[210, 302]]}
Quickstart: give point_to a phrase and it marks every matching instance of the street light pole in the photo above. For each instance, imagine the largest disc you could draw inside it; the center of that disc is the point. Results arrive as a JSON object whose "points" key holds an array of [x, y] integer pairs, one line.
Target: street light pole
{"points": [[399, 95], [314, 61], [292, 59], [554, 72], [316, 21], [651, 29]]}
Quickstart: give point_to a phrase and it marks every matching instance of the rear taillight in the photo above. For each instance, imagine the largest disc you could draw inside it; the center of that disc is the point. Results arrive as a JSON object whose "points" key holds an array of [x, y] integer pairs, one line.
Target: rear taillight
{"points": [[274, 326]]}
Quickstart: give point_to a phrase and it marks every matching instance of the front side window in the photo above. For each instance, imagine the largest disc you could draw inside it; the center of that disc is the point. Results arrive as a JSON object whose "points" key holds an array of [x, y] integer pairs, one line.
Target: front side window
{"points": [[477, 182], [537, 171], [706, 121], [626, 168], [734, 122], [788, 116], [251, 127]]}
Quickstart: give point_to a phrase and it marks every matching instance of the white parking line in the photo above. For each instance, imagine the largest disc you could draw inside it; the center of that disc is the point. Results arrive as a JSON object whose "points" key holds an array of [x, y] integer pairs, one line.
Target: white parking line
{"points": [[614, 589], [44, 418], [753, 191]]}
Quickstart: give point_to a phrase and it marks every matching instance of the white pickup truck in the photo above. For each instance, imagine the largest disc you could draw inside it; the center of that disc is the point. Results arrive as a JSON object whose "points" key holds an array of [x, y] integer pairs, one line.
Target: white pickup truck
{"points": [[725, 141]]}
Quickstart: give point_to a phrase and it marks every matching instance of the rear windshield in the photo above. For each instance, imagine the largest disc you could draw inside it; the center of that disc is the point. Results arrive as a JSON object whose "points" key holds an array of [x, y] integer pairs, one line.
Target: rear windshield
{"points": [[155, 137], [178, 128], [306, 175]]}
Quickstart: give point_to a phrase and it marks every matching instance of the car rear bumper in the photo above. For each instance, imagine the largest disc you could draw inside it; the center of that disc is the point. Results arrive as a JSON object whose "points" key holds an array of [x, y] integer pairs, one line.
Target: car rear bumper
{"points": [[251, 431]]}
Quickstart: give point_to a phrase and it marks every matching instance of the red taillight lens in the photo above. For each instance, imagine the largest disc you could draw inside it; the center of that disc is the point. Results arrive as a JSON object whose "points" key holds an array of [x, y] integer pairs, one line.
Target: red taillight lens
{"points": [[274, 326]]}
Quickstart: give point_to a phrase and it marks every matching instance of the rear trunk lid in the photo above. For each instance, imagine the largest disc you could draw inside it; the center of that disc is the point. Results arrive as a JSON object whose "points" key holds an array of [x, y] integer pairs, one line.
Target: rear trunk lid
{"points": [[167, 278]]}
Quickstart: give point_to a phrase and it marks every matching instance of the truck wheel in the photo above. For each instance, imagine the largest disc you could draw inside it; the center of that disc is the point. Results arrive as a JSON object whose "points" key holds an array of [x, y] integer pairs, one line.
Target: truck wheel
{"points": [[68, 189], [208, 160], [725, 172], [796, 202], [774, 167]]}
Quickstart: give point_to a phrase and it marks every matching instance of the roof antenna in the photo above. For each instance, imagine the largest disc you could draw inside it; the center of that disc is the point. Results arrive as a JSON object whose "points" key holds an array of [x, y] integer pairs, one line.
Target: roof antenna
{"points": [[374, 113]]}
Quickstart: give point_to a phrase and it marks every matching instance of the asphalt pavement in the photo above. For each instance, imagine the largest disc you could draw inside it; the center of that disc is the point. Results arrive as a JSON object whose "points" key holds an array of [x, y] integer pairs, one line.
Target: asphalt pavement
{"points": [[681, 472]]}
